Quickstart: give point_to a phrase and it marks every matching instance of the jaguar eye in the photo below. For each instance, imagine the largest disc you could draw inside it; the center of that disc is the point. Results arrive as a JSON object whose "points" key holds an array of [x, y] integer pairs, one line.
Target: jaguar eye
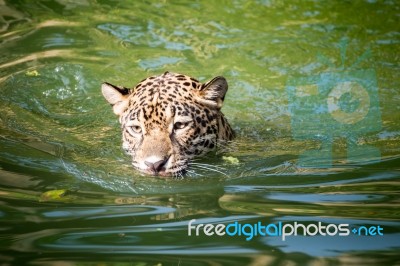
{"points": [[134, 130], [180, 125]]}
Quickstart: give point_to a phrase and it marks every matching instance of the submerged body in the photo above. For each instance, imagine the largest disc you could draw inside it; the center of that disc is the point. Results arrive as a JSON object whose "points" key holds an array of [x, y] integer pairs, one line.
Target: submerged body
{"points": [[169, 119]]}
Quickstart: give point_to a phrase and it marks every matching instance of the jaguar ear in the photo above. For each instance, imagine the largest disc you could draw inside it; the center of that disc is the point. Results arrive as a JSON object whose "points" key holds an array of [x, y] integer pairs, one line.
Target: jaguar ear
{"points": [[213, 92], [116, 96]]}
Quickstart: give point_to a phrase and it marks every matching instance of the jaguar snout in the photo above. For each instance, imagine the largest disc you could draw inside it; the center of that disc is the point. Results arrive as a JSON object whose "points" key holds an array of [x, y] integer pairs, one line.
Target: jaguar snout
{"points": [[156, 167]]}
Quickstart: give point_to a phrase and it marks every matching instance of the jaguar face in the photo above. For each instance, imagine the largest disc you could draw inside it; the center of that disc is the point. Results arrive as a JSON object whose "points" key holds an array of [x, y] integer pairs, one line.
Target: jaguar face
{"points": [[168, 120]]}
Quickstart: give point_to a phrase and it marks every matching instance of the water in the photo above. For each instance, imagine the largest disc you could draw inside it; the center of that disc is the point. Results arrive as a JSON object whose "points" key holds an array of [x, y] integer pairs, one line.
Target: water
{"points": [[314, 99]]}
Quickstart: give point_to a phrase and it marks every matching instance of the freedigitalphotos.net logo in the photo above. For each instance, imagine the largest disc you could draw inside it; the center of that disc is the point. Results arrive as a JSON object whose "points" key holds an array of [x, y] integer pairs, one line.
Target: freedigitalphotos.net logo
{"points": [[340, 103], [280, 229]]}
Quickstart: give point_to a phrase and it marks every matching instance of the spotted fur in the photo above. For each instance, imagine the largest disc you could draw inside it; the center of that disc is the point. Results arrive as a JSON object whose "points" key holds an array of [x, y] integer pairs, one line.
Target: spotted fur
{"points": [[169, 119]]}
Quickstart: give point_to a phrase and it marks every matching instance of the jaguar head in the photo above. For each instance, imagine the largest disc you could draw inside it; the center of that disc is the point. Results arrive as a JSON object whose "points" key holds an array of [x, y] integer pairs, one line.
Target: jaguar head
{"points": [[169, 119]]}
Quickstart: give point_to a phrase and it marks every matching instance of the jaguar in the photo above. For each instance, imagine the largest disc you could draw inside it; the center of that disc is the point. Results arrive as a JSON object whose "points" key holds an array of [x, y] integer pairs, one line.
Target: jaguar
{"points": [[169, 119]]}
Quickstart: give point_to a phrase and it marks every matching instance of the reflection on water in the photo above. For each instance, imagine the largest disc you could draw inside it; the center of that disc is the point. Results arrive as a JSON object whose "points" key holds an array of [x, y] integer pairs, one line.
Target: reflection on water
{"points": [[313, 98]]}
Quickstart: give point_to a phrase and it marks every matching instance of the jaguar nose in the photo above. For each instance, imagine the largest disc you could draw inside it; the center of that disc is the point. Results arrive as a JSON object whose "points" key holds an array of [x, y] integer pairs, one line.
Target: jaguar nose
{"points": [[157, 166]]}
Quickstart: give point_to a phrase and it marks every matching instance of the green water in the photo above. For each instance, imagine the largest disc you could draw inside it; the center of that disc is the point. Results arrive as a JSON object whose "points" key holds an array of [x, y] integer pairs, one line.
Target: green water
{"points": [[69, 195]]}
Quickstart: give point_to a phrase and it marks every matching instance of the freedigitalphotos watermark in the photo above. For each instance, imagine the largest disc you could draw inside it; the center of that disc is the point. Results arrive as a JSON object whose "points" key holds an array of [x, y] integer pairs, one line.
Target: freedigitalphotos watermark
{"points": [[340, 103], [280, 229]]}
